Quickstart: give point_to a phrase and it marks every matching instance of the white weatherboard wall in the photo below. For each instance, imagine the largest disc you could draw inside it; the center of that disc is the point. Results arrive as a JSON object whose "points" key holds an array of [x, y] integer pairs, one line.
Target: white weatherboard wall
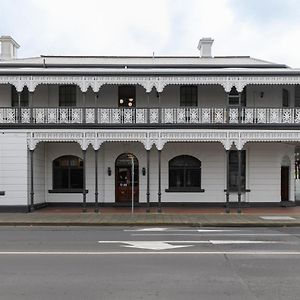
{"points": [[264, 171], [13, 169], [38, 173], [208, 96]]}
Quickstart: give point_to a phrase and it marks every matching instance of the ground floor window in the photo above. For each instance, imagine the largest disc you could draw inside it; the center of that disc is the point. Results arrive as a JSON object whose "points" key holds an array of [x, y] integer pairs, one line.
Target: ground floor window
{"points": [[67, 173], [184, 173], [233, 170]]}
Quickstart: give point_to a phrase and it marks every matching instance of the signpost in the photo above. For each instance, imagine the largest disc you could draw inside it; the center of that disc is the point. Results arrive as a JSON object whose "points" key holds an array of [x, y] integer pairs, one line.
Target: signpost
{"points": [[132, 184]]}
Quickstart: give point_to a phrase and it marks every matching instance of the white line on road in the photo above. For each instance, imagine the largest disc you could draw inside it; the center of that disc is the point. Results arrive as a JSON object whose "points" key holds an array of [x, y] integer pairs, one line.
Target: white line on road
{"points": [[196, 242], [178, 230], [212, 233], [281, 253]]}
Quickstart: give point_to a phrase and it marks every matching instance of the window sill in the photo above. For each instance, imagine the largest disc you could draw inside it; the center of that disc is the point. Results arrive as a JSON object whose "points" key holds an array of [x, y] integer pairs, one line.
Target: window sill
{"points": [[235, 191], [67, 191], [184, 190]]}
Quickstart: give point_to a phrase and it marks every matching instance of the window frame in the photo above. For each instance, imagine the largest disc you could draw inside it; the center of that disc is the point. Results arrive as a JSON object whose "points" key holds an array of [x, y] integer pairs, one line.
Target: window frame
{"points": [[67, 95], [233, 170], [69, 188], [185, 168], [191, 92], [24, 97], [127, 93]]}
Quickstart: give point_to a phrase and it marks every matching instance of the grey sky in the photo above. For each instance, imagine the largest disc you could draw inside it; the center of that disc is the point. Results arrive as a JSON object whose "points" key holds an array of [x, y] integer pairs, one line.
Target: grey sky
{"points": [[266, 29]]}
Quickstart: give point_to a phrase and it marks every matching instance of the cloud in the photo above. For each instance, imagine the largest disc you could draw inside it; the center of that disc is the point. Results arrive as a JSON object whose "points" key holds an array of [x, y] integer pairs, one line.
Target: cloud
{"points": [[261, 28]]}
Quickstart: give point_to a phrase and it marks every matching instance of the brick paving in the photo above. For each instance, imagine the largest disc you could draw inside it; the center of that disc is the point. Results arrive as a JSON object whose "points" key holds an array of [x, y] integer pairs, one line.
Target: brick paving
{"points": [[188, 216]]}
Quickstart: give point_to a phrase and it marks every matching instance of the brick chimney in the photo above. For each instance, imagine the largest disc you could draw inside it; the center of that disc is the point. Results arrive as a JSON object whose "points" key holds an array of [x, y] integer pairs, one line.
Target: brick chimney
{"points": [[8, 48]]}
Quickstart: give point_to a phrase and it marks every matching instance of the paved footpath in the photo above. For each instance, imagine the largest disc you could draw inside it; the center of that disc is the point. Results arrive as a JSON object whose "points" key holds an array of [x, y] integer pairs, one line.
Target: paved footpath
{"points": [[170, 216]]}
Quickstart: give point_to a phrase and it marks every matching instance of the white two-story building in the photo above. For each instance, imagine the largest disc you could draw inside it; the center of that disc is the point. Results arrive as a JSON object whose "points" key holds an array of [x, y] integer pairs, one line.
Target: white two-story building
{"points": [[166, 130]]}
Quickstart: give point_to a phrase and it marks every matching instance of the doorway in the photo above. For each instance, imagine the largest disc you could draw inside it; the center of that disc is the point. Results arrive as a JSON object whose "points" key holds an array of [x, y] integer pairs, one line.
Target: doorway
{"points": [[123, 180], [285, 173]]}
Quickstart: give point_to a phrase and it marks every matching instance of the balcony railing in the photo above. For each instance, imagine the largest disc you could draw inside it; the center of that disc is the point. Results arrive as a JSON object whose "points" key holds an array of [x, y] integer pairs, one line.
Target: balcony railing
{"points": [[150, 116]]}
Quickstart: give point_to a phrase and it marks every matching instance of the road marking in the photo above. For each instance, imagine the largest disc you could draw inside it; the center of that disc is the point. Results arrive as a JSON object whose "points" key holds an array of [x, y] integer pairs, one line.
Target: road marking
{"points": [[178, 230], [281, 253], [208, 233], [166, 245], [148, 229], [155, 245], [277, 218]]}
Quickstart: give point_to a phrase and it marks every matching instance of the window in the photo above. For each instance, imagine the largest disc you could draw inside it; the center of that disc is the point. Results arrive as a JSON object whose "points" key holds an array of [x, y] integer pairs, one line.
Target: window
{"points": [[297, 95], [126, 96], [24, 97], [236, 99], [67, 173], [188, 95], [67, 95], [285, 98], [233, 170], [184, 173]]}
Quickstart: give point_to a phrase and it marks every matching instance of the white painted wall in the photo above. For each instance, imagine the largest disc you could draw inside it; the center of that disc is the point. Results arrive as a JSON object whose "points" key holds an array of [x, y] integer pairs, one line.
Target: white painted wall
{"points": [[208, 96], [13, 168], [262, 174], [264, 171]]}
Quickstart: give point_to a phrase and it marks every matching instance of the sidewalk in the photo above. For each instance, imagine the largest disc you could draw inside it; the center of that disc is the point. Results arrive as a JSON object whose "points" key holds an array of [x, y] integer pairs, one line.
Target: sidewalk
{"points": [[171, 216]]}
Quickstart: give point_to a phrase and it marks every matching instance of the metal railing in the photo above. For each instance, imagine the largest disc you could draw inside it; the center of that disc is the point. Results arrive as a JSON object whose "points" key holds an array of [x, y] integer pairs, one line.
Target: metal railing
{"points": [[180, 115]]}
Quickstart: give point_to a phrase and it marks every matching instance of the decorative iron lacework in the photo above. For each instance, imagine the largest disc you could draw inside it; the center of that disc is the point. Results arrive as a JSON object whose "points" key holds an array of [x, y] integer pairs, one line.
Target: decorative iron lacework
{"points": [[160, 137]]}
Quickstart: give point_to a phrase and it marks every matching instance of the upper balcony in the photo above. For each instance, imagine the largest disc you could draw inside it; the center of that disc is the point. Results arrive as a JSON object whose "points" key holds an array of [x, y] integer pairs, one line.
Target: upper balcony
{"points": [[148, 117]]}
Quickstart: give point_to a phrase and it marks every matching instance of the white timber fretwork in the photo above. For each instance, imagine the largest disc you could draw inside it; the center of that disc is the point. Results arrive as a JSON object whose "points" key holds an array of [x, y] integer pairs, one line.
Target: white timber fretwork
{"points": [[148, 82], [159, 138]]}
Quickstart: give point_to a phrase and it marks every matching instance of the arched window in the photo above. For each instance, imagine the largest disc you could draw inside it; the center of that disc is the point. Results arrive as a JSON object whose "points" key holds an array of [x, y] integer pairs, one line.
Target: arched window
{"points": [[67, 173], [184, 173]]}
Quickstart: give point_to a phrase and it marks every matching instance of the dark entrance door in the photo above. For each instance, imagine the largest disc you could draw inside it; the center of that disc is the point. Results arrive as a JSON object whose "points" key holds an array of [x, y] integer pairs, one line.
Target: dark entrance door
{"points": [[124, 178], [285, 171]]}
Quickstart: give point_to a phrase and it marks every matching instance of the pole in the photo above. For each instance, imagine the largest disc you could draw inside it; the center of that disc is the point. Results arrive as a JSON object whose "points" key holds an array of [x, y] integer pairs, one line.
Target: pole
{"points": [[31, 182], [148, 181], [84, 181], [132, 185], [159, 181], [96, 182], [19, 107], [239, 181], [227, 181]]}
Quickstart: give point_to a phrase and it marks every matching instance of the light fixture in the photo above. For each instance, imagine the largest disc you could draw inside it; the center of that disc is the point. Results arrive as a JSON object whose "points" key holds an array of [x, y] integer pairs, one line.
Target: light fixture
{"points": [[143, 171], [109, 171], [130, 99], [121, 101], [262, 94], [130, 104]]}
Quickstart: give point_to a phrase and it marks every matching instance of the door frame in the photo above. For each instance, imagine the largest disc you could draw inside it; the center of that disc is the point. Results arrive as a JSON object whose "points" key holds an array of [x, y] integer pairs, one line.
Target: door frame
{"points": [[136, 176]]}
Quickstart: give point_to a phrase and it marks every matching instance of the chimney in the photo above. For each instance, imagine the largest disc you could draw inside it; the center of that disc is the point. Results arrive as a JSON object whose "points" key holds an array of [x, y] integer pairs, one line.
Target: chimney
{"points": [[204, 47], [8, 48]]}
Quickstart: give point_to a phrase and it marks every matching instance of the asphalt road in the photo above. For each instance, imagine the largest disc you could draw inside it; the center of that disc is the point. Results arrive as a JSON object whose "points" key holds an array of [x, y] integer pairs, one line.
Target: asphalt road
{"points": [[149, 263]]}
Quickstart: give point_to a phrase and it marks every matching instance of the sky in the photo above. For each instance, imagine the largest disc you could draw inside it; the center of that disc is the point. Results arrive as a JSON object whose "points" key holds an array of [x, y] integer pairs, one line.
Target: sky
{"points": [[265, 29]]}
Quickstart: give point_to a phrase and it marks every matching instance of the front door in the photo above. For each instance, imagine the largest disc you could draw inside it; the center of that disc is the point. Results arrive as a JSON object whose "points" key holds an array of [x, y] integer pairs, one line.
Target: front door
{"points": [[124, 177], [285, 171]]}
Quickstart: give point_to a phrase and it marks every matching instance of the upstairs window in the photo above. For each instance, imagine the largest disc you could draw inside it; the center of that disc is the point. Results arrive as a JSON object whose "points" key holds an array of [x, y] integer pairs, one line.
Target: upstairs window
{"points": [[233, 170], [236, 99], [67, 95], [67, 173], [184, 173], [126, 95], [285, 98], [188, 95], [24, 97]]}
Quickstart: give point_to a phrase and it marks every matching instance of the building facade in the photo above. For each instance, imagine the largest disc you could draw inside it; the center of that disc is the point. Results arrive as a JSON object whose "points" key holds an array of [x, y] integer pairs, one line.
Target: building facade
{"points": [[154, 130]]}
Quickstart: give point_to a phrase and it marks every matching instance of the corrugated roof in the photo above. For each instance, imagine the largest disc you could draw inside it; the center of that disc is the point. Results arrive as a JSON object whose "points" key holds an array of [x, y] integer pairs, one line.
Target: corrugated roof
{"points": [[140, 60]]}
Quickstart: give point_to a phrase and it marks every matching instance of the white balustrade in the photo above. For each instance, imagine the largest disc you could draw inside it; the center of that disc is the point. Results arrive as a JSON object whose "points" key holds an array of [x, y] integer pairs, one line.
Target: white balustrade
{"points": [[180, 115]]}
